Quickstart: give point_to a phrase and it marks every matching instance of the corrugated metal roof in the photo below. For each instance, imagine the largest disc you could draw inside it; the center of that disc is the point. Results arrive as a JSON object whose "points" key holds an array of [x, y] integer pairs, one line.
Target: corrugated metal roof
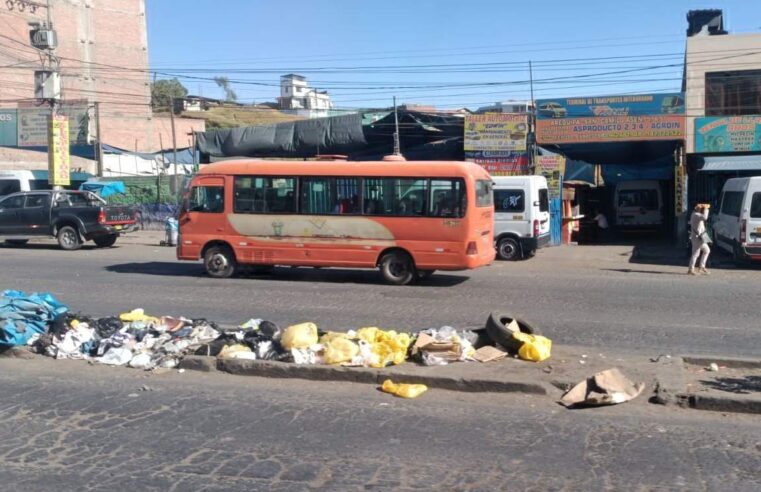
{"points": [[732, 163]]}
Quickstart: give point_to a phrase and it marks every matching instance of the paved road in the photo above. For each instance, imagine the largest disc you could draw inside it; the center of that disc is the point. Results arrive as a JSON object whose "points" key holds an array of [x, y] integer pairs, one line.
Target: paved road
{"points": [[587, 296], [66, 425]]}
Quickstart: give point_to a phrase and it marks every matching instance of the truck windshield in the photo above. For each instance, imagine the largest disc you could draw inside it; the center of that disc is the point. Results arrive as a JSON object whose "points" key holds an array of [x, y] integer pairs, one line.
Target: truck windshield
{"points": [[647, 199]]}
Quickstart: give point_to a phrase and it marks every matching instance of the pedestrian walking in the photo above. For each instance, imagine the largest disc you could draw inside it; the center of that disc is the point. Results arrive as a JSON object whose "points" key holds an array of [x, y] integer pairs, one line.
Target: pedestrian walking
{"points": [[699, 238]]}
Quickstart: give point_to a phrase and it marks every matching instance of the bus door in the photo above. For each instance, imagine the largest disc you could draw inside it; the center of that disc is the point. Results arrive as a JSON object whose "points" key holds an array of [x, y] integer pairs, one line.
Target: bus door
{"points": [[203, 211]]}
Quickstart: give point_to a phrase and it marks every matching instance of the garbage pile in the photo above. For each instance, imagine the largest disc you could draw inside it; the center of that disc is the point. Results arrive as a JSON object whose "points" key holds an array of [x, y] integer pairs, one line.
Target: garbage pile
{"points": [[143, 341]]}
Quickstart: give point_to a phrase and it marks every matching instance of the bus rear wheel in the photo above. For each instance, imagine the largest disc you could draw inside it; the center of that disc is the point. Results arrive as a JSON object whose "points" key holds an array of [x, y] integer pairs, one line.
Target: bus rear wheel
{"points": [[220, 262], [397, 268]]}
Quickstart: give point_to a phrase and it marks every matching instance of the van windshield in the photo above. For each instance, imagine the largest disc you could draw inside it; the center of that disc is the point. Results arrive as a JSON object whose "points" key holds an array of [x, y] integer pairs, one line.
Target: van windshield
{"points": [[647, 199]]}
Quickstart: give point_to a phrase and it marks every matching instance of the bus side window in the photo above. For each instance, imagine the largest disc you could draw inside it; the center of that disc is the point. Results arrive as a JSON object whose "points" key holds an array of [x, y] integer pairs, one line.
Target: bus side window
{"points": [[207, 199]]}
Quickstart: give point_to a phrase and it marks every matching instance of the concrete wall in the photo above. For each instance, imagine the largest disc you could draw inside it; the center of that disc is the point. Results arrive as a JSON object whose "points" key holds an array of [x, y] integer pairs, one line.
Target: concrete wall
{"points": [[714, 54], [92, 35]]}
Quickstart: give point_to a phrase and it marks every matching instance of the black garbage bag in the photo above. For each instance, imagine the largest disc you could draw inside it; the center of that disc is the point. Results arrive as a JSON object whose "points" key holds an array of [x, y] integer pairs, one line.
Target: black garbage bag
{"points": [[214, 347], [270, 330], [105, 327], [204, 321]]}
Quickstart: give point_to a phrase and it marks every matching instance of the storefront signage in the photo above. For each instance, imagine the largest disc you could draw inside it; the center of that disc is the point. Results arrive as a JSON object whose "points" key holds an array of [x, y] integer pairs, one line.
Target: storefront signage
{"points": [[58, 151], [8, 127], [501, 163], [728, 134], [496, 132], [552, 168], [610, 118]]}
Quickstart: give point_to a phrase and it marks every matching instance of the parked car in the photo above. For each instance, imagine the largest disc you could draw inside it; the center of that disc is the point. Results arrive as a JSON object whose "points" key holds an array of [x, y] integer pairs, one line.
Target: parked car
{"points": [[72, 217], [552, 110], [737, 223], [521, 216], [639, 204]]}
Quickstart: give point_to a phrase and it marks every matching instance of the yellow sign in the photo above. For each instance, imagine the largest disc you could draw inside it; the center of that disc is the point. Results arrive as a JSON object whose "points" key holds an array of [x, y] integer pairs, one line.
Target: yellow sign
{"points": [[551, 167], [59, 160], [496, 132]]}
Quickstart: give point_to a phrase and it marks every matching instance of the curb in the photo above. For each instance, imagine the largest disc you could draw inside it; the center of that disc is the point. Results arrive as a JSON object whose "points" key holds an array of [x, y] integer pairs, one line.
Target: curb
{"points": [[286, 370], [733, 404], [735, 362]]}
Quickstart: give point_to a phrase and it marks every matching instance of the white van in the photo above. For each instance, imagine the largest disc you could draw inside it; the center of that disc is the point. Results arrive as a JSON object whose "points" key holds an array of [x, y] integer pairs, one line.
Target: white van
{"points": [[639, 204], [521, 215], [737, 223], [15, 181]]}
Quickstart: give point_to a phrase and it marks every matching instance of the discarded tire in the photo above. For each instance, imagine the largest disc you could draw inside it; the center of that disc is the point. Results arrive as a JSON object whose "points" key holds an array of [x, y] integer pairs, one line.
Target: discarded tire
{"points": [[497, 328]]}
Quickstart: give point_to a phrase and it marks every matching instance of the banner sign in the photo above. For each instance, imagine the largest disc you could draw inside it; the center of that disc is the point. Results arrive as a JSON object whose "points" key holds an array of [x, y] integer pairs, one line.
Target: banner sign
{"points": [[632, 105], [496, 132], [552, 167], [59, 160], [33, 125], [728, 134], [610, 119], [8, 129]]}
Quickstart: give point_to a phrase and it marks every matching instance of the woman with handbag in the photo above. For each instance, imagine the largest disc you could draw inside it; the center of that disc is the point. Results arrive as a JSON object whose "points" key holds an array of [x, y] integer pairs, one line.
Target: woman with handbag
{"points": [[699, 238]]}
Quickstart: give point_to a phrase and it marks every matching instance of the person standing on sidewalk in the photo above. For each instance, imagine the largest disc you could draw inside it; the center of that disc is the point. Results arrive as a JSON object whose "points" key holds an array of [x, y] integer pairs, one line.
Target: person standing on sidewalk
{"points": [[699, 238]]}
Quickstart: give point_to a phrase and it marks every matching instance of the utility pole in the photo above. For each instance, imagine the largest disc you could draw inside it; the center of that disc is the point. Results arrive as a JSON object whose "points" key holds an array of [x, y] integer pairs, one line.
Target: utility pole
{"points": [[397, 147], [532, 116], [174, 142], [100, 140]]}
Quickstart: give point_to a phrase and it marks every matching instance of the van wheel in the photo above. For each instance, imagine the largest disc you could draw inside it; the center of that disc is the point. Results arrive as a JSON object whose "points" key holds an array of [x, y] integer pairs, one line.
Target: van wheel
{"points": [[508, 249], [220, 262], [68, 238], [397, 268]]}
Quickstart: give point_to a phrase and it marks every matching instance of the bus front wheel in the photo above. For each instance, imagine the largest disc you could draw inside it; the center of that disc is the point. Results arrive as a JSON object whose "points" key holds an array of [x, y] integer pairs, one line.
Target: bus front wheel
{"points": [[220, 262], [397, 268]]}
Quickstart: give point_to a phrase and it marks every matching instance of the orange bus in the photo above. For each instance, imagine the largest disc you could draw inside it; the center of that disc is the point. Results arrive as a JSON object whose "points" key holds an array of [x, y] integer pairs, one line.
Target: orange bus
{"points": [[405, 218]]}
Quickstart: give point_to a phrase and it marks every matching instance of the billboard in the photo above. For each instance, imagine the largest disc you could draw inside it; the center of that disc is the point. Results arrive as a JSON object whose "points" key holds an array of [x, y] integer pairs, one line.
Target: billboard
{"points": [[8, 130], [502, 132], [59, 161], [728, 134], [33, 124], [610, 119]]}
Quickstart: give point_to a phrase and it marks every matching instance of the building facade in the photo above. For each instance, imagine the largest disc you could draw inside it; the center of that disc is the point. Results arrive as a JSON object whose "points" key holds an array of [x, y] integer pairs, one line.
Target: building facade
{"points": [[103, 58], [295, 94]]}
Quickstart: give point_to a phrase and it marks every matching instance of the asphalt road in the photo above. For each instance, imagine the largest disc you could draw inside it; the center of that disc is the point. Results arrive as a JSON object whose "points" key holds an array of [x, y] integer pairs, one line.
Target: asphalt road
{"points": [[66, 425], [588, 296]]}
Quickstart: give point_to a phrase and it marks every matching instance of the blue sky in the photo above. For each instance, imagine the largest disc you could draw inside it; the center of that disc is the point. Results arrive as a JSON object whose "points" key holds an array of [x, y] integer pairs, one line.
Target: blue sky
{"points": [[446, 53]]}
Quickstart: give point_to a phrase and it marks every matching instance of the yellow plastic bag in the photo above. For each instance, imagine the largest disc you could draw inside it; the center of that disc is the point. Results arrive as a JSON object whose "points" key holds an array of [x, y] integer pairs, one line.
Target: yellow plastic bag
{"points": [[388, 347], [403, 390], [299, 336], [535, 348], [138, 315], [339, 349]]}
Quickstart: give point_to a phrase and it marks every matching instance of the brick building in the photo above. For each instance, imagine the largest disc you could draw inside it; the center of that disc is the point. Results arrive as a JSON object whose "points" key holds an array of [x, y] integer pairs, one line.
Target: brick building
{"points": [[103, 50]]}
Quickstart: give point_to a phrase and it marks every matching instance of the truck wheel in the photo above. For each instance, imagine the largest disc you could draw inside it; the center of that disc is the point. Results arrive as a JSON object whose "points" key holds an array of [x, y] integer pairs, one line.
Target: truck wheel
{"points": [[16, 242], [508, 249], [397, 268], [220, 262], [105, 241], [68, 238]]}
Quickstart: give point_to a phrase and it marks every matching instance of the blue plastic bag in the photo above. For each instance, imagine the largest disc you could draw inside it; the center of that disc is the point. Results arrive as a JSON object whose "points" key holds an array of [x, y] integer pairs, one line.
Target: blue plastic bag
{"points": [[22, 316]]}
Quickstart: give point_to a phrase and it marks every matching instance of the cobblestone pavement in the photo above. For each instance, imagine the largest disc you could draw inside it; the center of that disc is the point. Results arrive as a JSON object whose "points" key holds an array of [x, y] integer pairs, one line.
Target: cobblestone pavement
{"points": [[587, 296], [66, 425]]}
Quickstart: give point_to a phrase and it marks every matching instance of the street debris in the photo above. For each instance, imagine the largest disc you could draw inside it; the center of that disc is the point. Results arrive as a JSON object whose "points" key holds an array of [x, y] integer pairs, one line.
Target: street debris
{"points": [[608, 387], [151, 342], [713, 367], [403, 390]]}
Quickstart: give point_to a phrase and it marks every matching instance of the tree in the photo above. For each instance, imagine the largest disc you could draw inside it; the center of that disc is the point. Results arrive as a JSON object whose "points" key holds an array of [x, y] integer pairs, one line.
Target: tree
{"points": [[163, 90], [224, 84]]}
